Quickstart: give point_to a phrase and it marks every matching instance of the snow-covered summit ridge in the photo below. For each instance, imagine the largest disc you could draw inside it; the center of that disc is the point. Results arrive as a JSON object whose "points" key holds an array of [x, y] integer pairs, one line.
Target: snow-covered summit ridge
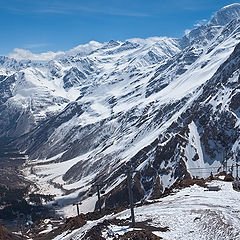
{"points": [[90, 48], [226, 14]]}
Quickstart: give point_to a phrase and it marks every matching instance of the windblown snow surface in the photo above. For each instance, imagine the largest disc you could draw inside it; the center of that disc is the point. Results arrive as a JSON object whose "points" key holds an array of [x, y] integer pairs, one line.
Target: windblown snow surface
{"points": [[190, 213]]}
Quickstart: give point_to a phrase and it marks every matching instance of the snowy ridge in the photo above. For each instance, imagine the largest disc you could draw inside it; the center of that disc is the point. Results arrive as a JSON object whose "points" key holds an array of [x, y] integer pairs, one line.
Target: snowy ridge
{"points": [[200, 214], [226, 14]]}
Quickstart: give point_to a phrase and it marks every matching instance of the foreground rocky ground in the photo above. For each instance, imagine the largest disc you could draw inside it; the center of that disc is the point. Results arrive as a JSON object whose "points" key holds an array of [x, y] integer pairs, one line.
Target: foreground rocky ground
{"points": [[188, 212]]}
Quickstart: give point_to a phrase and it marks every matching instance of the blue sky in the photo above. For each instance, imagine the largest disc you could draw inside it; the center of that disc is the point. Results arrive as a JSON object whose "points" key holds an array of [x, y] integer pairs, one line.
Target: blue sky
{"points": [[59, 25]]}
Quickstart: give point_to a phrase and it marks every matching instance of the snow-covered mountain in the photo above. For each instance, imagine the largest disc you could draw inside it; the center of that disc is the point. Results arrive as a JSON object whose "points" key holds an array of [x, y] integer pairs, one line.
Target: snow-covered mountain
{"points": [[36, 89], [169, 108]]}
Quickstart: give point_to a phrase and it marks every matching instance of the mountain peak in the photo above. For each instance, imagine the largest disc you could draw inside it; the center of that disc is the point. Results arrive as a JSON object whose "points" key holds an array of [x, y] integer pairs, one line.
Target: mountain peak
{"points": [[226, 14], [234, 5]]}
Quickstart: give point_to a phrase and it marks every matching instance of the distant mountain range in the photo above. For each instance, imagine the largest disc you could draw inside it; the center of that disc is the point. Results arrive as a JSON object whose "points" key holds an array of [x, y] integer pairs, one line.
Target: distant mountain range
{"points": [[169, 108]]}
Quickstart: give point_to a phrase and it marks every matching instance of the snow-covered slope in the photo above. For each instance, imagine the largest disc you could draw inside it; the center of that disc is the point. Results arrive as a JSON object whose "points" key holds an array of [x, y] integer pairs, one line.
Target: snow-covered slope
{"points": [[167, 107], [226, 14], [42, 88], [191, 213]]}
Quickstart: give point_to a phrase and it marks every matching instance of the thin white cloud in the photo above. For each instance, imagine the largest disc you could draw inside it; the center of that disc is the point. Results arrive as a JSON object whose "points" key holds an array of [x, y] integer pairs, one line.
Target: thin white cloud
{"points": [[115, 12], [62, 7], [68, 8], [52, 11], [36, 45], [200, 22], [112, 11], [22, 54]]}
